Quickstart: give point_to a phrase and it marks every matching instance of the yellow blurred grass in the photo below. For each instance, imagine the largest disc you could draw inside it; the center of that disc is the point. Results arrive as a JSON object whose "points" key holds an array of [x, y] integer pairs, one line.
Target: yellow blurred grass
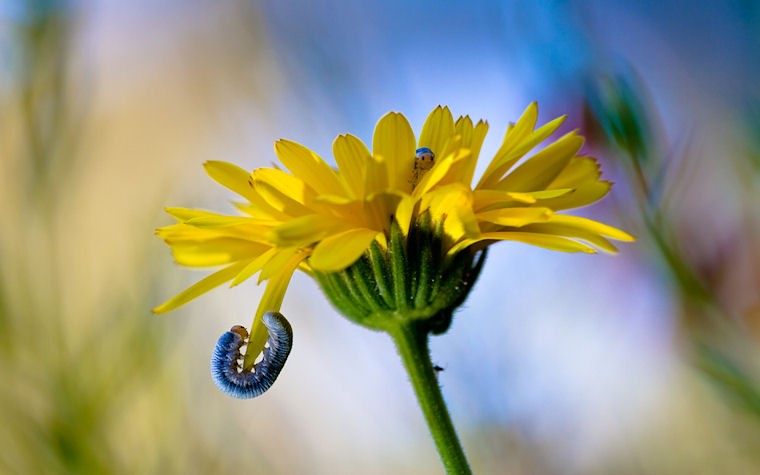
{"points": [[93, 380]]}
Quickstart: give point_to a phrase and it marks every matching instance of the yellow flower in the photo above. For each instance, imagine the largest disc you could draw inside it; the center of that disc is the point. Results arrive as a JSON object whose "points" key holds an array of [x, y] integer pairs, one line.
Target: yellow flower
{"points": [[321, 219]]}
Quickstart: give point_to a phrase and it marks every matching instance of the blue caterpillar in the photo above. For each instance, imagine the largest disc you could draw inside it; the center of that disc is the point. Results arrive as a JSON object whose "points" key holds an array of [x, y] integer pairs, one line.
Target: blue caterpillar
{"points": [[225, 369]]}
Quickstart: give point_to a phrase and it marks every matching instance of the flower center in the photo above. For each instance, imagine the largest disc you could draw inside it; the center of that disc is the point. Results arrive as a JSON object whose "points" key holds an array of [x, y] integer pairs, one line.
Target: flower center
{"points": [[424, 159]]}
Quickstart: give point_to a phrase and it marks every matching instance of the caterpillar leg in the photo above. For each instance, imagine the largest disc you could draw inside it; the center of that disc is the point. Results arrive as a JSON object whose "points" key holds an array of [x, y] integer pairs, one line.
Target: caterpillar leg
{"points": [[226, 372]]}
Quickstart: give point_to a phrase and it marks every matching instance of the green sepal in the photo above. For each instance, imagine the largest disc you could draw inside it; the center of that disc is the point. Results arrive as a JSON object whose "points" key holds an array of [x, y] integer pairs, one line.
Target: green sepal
{"points": [[354, 293], [436, 248], [457, 281], [362, 275], [425, 279], [399, 268], [410, 281], [382, 272], [336, 290]]}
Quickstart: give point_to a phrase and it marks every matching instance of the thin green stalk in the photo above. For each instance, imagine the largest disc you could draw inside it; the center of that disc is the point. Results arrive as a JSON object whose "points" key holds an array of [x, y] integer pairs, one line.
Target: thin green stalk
{"points": [[412, 342]]}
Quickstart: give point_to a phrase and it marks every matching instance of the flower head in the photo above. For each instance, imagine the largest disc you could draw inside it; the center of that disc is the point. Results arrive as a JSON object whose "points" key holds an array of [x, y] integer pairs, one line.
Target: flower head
{"points": [[322, 220]]}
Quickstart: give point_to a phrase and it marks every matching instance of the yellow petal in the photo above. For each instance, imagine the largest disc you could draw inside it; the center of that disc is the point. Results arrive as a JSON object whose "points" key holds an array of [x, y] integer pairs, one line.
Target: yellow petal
{"points": [[452, 204], [404, 212], [485, 199], [577, 222], [348, 212], [277, 262], [536, 137], [270, 302], [254, 266], [445, 168], [221, 221], [201, 228], [334, 200], [456, 172], [472, 138], [515, 146], [523, 127], [515, 217], [583, 195], [463, 244], [564, 231], [341, 250], [352, 157], [376, 175], [478, 136], [379, 207], [309, 167], [460, 223], [230, 176], [463, 127], [292, 187], [437, 130], [214, 252], [489, 199], [437, 201], [259, 208], [547, 241], [278, 200], [533, 196], [181, 232], [303, 230], [394, 141], [515, 133], [541, 169], [582, 174], [580, 170], [184, 214], [201, 287]]}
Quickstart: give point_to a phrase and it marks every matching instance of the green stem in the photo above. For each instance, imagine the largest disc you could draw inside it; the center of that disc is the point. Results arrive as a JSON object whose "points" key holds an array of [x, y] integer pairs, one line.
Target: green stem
{"points": [[412, 342]]}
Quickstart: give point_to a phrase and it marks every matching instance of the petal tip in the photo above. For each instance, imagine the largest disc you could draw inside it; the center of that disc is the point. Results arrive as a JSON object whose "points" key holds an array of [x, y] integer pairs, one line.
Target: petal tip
{"points": [[212, 164]]}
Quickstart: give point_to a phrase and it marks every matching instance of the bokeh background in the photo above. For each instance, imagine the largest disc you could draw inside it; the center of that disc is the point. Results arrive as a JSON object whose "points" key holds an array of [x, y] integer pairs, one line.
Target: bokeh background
{"points": [[643, 362]]}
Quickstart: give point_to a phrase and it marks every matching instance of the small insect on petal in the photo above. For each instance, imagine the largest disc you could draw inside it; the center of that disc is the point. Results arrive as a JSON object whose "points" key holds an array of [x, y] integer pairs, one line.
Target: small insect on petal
{"points": [[424, 159], [225, 369]]}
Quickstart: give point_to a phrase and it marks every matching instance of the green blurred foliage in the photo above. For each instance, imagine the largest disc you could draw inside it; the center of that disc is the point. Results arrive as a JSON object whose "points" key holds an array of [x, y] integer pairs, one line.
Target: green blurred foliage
{"points": [[94, 392], [752, 134], [737, 385], [621, 106], [617, 102]]}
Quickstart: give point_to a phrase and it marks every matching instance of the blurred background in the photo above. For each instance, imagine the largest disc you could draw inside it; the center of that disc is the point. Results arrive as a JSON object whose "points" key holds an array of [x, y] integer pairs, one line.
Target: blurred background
{"points": [[643, 362]]}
